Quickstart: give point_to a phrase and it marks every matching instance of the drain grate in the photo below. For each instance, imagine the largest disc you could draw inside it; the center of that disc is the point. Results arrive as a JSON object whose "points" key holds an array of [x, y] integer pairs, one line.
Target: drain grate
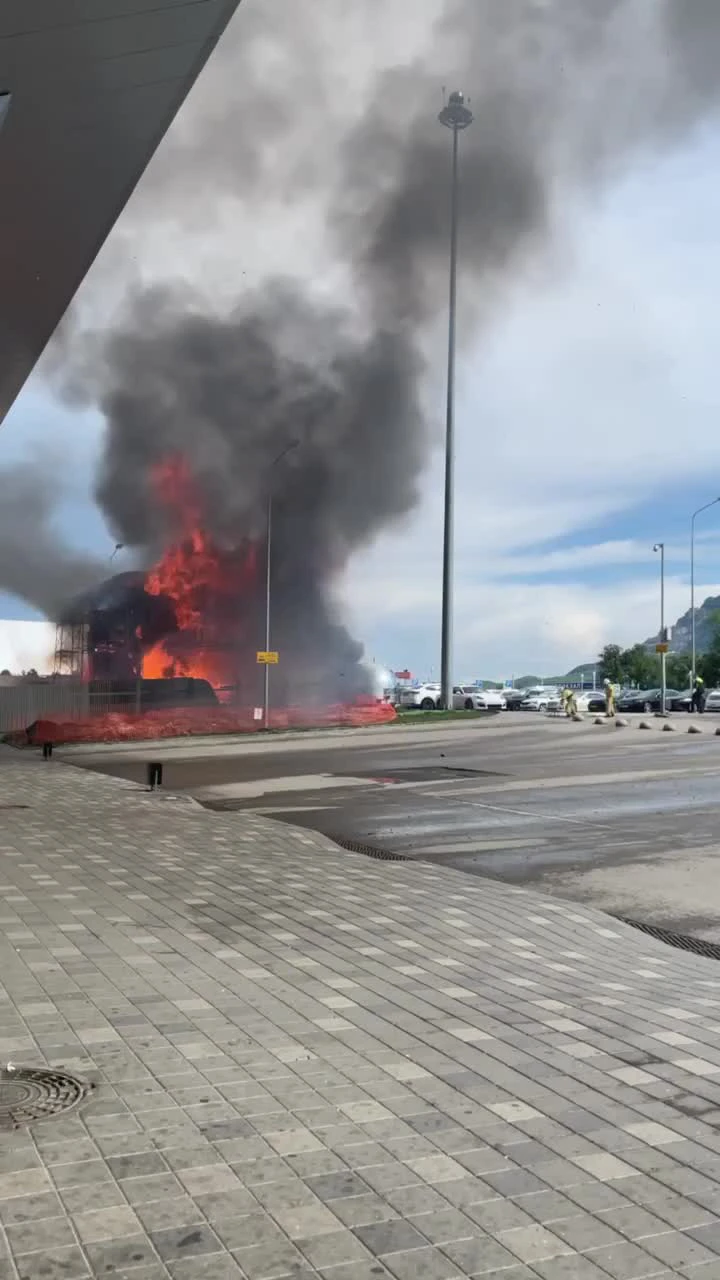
{"points": [[370, 850], [28, 1094], [683, 941]]}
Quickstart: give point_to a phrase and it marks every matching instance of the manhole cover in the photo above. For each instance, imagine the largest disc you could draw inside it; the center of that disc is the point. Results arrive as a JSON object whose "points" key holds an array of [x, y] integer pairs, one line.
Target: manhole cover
{"points": [[28, 1094]]}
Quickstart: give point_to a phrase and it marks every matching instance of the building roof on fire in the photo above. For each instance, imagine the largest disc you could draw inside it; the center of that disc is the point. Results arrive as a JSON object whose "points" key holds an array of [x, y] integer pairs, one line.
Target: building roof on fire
{"points": [[87, 90]]}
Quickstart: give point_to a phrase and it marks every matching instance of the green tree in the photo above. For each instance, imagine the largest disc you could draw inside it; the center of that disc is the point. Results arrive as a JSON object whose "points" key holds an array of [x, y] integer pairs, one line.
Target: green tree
{"points": [[677, 670], [611, 663], [708, 663], [639, 667]]}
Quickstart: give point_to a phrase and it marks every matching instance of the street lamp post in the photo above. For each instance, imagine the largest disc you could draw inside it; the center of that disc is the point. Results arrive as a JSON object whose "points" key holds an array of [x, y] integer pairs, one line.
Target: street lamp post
{"points": [[692, 581], [455, 115], [268, 569], [660, 546]]}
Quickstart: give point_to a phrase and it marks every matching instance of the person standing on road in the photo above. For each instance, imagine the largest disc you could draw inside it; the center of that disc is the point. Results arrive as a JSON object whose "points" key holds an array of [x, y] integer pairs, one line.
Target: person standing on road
{"points": [[698, 695], [609, 698]]}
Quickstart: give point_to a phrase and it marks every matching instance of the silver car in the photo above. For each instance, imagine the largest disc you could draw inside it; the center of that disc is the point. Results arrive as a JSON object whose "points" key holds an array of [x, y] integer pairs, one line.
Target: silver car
{"points": [[548, 700]]}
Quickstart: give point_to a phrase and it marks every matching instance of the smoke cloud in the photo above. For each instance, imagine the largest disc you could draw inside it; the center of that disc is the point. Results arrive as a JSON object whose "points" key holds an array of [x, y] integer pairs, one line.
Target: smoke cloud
{"points": [[567, 95], [34, 566]]}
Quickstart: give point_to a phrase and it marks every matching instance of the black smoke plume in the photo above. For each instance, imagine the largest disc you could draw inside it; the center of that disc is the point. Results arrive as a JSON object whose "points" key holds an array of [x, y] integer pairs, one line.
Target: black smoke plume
{"points": [[567, 95]]}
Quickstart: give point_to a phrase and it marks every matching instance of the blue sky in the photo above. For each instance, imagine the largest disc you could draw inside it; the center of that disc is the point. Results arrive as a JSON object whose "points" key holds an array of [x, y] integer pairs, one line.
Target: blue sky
{"points": [[586, 431]]}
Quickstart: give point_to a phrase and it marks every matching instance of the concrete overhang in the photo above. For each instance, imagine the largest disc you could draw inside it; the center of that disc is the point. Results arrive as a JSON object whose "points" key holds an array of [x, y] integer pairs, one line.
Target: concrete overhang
{"points": [[87, 90]]}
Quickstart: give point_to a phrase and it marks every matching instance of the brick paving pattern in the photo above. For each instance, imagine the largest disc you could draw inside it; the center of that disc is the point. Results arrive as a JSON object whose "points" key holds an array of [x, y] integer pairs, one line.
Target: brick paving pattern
{"points": [[312, 1064]]}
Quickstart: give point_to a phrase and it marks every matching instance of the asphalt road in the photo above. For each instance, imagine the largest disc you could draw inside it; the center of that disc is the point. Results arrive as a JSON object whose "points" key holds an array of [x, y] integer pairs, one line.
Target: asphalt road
{"points": [[628, 821]]}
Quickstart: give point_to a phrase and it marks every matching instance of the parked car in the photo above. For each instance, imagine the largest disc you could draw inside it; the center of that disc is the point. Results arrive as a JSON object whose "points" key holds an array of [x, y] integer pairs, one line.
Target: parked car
{"points": [[590, 700], [426, 697], [541, 700], [649, 700], [513, 698], [712, 700], [470, 698]]}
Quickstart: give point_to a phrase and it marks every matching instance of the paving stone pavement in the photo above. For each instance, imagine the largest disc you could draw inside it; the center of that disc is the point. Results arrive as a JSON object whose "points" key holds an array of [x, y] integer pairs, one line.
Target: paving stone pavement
{"points": [[312, 1064]]}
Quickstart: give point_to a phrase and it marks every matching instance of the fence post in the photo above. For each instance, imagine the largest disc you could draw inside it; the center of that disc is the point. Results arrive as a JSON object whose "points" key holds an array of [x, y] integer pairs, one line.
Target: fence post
{"points": [[154, 775]]}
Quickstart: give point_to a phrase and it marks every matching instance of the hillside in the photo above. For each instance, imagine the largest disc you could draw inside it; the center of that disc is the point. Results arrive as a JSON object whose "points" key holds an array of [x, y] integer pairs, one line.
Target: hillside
{"points": [[681, 633], [582, 672]]}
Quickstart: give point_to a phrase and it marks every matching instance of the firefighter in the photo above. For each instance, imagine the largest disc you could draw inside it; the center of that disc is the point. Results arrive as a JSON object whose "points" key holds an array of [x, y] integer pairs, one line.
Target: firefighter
{"points": [[609, 698], [567, 701], [698, 695]]}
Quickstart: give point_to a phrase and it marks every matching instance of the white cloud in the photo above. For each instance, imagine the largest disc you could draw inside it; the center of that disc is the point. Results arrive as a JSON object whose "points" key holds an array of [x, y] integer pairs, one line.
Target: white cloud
{"points": [[26, 645], [504, 629]]}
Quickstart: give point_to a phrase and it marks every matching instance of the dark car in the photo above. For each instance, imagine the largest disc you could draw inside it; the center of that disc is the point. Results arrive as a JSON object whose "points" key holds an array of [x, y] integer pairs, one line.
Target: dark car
{"points": [[650, 700], [514, 698]]}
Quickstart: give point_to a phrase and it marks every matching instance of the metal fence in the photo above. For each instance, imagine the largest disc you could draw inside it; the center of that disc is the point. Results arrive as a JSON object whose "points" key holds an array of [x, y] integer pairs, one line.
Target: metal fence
{"points": [[23, 704]]}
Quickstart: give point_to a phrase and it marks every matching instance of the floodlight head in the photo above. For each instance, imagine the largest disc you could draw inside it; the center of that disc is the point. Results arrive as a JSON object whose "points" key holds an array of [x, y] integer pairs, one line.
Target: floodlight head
{"points": [[456, 114]]}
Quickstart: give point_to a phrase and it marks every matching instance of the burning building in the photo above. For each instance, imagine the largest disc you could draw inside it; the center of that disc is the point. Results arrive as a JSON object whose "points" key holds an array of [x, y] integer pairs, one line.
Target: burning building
{"points": [[189, 618], [186, 631]]}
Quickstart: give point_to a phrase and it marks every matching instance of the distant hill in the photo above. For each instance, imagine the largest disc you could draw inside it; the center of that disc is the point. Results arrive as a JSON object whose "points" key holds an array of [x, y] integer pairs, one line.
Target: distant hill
{"points": [[681, 633], [583, 671]]}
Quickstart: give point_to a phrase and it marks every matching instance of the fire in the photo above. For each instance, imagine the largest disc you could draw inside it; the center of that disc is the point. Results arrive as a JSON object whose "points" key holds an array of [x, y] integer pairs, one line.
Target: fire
{"points": [[198, 613], [209, 587]]}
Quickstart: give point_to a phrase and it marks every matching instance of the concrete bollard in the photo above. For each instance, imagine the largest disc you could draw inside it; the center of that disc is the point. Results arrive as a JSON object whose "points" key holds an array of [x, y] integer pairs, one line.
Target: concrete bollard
{"points": [[668, 727], [717, 733], [620, 723], [694, 728], [644, 725], [599, 720], [578, 719]]}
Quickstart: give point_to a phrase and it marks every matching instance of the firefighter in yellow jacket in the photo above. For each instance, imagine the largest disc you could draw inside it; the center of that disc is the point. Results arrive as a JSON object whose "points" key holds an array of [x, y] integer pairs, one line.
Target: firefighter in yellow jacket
{"points": [[609, 692]]}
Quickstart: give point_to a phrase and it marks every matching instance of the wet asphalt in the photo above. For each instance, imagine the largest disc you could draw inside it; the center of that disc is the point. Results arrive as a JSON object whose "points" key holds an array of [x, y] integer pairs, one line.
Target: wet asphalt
{"points": [[623, 819]]}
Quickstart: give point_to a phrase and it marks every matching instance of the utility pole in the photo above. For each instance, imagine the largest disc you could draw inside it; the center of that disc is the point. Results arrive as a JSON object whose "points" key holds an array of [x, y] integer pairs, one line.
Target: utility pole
{"points": [[660, 546], [455, 115], [692, 583], [268, 572]]}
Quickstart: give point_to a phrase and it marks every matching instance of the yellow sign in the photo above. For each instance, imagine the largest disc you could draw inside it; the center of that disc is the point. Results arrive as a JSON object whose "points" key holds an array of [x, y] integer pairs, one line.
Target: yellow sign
{"points": [[661, 648], [269, 659]]}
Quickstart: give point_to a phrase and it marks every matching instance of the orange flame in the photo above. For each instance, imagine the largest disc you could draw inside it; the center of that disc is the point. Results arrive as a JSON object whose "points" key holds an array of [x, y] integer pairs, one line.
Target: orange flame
{"points": [[206, 585]]}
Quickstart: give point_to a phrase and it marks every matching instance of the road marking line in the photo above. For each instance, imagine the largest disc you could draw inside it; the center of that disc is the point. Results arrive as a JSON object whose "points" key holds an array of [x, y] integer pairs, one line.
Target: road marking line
{"points": [[265, 786], [584, 780], [289, 808], [476, 846], [532, 815]]}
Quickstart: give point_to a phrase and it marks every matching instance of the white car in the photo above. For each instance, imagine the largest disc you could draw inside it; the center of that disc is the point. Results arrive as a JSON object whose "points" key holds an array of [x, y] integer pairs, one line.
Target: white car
{"points": [[590, 700], [427, 697], [547, 700], [712, 700], [470, 698]]}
